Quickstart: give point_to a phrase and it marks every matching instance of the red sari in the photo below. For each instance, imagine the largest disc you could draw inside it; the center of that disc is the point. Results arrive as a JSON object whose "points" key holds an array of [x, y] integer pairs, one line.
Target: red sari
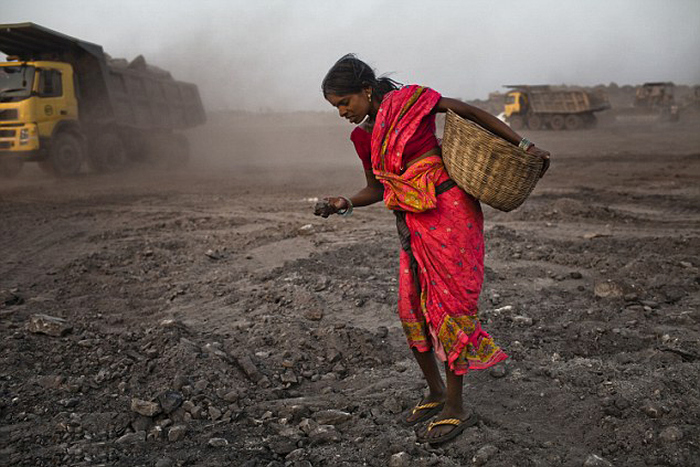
{"points": [[438, 308]]}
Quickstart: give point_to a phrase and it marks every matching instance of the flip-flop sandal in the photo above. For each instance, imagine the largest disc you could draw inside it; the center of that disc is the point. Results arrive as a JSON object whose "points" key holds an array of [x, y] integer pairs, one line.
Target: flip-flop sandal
{"points": [[459, 427], [430, 409]]}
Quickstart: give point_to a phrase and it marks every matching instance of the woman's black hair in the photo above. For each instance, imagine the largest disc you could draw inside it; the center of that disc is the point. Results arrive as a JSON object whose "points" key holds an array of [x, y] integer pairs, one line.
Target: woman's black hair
{"points": [[350, 75]]}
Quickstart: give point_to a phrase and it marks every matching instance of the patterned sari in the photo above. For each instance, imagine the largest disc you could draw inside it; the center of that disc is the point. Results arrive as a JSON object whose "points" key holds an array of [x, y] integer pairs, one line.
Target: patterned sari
{"points": [[442, 260]]}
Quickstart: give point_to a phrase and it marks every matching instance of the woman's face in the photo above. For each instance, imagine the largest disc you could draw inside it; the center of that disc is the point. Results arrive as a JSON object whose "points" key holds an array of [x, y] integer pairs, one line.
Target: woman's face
{"points": [[353, 107]]}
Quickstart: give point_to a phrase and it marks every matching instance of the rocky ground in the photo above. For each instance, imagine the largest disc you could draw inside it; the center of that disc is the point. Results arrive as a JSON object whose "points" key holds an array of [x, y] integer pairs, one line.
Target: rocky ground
{"points": [[206, 318]]}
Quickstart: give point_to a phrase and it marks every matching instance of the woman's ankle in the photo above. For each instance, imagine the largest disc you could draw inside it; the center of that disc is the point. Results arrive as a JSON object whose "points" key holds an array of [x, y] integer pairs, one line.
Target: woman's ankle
{"points": [[455, 407], [436, 395]]}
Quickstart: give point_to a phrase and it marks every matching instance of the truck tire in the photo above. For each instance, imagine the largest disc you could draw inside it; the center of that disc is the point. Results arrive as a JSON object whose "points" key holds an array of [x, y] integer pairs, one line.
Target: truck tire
{"points": [[573, 122], [107, 153], [516, 122], [10, 167], [66, 155], [557, 122], [534, 122]]}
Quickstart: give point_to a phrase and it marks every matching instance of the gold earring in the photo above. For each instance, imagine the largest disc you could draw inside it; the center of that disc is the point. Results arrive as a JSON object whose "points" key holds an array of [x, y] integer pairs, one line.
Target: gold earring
{"points": [[369, 97]]}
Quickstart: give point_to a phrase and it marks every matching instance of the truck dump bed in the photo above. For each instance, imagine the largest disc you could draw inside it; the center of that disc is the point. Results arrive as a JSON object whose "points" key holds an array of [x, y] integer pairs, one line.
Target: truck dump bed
{"points": [[568, 102], [132, 96], [144, 98]]}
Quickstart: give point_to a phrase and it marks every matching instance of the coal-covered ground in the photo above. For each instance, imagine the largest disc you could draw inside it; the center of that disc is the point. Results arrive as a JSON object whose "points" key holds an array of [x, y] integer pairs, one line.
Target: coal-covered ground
{"points": [[211, 319]]}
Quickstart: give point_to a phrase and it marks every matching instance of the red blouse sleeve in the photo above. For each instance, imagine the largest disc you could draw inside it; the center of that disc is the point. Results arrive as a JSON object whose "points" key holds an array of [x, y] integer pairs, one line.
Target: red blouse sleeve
{"points": [[363, 145]]}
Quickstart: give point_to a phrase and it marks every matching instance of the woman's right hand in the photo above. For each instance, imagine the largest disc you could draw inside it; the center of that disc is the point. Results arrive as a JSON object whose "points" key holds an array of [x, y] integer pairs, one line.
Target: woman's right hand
{"points": [[330, 205], [535, 151]]}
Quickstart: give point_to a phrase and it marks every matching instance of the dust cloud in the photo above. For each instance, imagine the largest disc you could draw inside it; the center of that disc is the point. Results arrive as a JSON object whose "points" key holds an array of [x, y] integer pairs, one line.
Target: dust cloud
{"points": [[271, 56]]}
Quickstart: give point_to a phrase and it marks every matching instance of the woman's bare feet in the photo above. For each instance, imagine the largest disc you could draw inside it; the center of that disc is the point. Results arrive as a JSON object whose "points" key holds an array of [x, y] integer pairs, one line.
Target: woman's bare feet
{"points": [[448, 424], [453, 418], [426, 408]]}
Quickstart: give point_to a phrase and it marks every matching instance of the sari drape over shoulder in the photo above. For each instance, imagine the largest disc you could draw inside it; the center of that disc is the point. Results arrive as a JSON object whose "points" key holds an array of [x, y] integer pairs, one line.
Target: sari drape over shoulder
{"points": [[441, 273]]}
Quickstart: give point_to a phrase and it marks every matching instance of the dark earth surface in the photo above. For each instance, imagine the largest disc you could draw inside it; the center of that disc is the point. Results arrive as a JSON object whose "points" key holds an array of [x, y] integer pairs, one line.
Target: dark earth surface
{"points": [[211, 319]]}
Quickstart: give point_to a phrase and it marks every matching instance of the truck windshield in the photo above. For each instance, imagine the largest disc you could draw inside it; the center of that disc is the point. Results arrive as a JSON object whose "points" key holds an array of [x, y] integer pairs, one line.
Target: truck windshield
{"points": [[510, 99], [15, 82]]}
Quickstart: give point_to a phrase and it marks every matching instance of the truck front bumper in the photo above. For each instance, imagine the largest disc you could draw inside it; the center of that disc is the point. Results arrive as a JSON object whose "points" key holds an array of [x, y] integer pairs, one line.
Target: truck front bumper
{"points": [[25, 156], [20, 141]]}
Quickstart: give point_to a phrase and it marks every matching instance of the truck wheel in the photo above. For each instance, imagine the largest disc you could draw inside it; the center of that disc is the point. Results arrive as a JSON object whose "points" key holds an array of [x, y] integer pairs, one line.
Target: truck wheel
{"points": [[66, 155], [10, 167], [108, 153], [516, 122], [534, 122], [573, 122], [557, 122]]}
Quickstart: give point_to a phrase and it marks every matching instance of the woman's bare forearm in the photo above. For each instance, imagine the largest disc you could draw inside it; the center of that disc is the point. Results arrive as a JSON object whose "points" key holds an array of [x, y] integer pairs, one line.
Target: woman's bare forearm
{"points": [[368, 195], [483, 118]]}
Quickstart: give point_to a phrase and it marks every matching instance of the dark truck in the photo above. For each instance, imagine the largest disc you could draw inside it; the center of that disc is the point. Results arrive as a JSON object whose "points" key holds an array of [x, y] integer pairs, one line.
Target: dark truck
{"points": [[654, 102], [64, 102]]}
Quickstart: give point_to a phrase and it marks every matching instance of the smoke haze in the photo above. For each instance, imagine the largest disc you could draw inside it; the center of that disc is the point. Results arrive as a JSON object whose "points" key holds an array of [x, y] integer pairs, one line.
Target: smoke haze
{"points": [[272, 55]]}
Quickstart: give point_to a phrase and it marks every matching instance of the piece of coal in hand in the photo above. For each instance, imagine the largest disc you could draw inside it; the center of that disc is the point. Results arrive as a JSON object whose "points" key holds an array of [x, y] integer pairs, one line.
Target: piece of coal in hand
{"points": [[323, 208]]}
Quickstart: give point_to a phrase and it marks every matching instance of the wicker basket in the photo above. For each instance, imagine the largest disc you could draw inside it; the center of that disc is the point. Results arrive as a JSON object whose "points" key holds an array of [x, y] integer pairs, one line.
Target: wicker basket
{"points": [[486, 166]]}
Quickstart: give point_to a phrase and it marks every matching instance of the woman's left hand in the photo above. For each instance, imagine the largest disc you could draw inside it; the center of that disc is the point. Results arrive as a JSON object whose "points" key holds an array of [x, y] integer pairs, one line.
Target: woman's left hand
{"points": [[535, 151]]}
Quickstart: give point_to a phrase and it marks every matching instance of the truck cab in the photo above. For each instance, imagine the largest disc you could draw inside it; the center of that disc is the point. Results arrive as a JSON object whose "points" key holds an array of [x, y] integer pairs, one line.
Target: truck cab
{"points": [[515, 103], [35, 97]]}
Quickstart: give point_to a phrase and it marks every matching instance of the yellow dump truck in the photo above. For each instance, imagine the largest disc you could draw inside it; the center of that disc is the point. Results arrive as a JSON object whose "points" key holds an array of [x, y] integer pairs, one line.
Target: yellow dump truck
{"points": [[543, 107], [64, 102]]}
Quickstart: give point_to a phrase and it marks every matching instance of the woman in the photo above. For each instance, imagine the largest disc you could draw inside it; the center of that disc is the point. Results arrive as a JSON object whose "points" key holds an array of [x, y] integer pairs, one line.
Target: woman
{"points": [[440, 226]]}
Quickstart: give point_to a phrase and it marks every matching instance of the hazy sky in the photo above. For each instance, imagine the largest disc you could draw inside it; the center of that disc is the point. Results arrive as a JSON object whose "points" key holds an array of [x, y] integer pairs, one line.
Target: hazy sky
{"points": [[273, 54]]}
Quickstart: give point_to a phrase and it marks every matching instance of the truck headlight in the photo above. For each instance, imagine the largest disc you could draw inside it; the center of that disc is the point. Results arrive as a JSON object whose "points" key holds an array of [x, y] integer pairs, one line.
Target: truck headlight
{"points": [[27, 134]]}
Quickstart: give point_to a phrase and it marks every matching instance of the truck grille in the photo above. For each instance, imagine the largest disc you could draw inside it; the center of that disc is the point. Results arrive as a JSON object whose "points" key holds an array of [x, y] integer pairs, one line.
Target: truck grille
{"points": [[9, 114], [7, 133]]}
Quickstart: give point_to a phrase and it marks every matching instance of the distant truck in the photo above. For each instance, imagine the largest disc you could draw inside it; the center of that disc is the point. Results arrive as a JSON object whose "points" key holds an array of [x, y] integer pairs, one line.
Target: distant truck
{"points": [[696, 96], [692, 101], [653, 102], [543, 107], [659, 99], [655, 95], [64, 102]]}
